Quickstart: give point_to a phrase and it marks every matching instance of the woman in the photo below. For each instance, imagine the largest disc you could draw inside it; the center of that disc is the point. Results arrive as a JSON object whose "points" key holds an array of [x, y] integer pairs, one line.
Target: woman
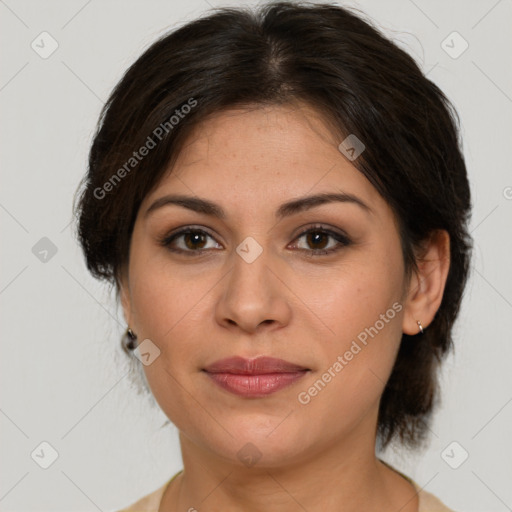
{"points": [[280, 199]]}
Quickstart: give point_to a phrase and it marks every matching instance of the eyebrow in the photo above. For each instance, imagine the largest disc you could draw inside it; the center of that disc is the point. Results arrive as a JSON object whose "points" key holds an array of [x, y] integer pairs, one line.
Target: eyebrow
{"points": [[287, 209]]}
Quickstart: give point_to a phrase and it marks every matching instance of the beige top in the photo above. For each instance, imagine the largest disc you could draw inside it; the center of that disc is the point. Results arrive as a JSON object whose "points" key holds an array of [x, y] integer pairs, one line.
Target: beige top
{"points": [[427, 502]]}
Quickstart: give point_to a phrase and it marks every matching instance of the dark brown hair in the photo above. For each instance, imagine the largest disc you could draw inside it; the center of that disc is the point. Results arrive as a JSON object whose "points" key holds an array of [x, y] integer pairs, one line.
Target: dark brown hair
{"points": [[360, 82]]}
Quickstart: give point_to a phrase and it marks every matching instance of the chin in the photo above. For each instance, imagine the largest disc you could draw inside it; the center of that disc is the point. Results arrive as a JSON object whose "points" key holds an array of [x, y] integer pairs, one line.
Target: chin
{"points": [[264, 442]]}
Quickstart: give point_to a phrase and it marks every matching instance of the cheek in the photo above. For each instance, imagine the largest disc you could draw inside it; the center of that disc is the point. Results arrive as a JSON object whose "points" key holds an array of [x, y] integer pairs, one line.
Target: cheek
{"points": [[363, 309], [164, 294], [357, 361], [161, 304], [165, 309], [360, 293]]}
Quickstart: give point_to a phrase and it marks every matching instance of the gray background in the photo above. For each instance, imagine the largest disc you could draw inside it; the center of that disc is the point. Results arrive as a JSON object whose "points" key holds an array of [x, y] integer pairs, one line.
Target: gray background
{"points": [[63, 377]]}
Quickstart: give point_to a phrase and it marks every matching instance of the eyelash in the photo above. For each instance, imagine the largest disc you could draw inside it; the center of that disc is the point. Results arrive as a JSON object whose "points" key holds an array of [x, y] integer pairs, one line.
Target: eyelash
{"points": [[343, 240]]}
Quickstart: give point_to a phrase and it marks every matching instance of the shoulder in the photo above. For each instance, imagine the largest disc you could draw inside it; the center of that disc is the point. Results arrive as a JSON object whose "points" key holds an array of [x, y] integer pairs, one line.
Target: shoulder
{"points": [[428, 502], [150, 502]]}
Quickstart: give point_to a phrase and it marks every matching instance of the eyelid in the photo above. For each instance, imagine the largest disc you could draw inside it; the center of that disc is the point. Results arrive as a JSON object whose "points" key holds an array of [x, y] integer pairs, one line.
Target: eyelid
{"points": [[321, 227]]}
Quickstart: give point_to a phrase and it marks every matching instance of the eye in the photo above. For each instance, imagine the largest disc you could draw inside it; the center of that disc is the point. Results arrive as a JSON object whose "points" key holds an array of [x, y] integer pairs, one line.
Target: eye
{"points": [[193, 242], [318, 237]]}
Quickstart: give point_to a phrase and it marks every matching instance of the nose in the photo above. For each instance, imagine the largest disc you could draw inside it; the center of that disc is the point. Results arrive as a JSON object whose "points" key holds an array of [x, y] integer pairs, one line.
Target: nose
{"points": [[255, 295]]}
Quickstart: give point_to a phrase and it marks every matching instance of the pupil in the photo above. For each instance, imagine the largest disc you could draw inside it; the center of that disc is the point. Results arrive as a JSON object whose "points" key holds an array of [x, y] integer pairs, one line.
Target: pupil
{"points": [[195, 237], [315, 237]]}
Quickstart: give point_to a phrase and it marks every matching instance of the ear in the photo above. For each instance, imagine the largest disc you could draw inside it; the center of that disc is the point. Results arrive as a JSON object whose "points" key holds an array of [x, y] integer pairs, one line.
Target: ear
{"points": [[426, 286]]}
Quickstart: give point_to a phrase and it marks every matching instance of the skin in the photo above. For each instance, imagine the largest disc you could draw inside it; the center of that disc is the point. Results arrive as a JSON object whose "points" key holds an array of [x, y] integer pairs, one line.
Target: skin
{"points": [[318, 456]]}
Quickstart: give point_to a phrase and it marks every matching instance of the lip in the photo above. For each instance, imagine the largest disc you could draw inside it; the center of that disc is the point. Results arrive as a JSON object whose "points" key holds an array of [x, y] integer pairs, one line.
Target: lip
{"points": [[258, 366], [254, 378]]}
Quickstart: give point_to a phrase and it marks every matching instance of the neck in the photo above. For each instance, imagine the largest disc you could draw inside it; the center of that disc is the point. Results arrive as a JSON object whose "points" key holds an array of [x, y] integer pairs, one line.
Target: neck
{"points": [[342, 479]]}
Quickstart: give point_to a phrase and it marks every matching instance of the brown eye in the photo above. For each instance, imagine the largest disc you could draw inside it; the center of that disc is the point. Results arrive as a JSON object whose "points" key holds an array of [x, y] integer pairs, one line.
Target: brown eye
{"points": [[317, 241], [192, 241]]}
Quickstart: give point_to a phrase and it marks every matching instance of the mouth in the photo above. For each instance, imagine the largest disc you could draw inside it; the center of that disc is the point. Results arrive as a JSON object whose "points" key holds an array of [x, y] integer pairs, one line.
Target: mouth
{"points": [[254, 378]]}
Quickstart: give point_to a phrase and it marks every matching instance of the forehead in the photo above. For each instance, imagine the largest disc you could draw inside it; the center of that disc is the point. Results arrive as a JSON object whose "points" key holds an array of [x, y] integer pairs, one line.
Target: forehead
{"points": [[254, 158]]}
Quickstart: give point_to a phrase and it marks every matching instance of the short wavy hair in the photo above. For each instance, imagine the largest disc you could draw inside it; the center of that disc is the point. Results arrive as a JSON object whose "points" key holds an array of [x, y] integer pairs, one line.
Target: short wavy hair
{"points": [[360, 82]]}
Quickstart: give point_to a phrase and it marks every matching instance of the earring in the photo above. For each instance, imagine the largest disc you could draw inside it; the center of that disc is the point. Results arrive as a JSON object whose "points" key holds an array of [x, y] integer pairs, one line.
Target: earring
{"points": [[128, 341], [420, 326]]}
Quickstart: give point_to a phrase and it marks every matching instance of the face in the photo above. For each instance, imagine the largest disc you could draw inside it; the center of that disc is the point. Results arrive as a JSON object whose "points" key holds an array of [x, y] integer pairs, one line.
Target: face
{"points": [[320, 285]]}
